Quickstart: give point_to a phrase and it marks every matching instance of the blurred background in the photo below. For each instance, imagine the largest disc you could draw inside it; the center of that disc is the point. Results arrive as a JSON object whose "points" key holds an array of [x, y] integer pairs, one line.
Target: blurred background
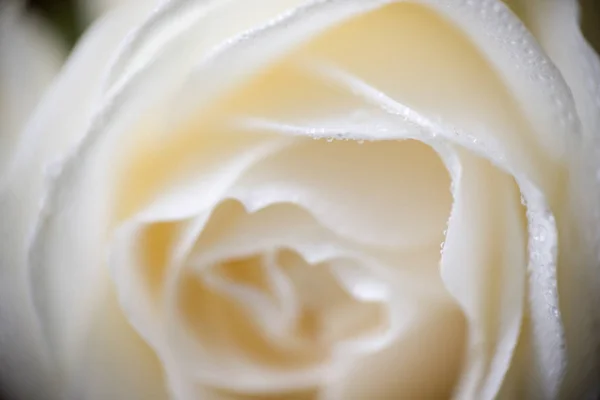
{"points": [[69, 18], [591, 22]]}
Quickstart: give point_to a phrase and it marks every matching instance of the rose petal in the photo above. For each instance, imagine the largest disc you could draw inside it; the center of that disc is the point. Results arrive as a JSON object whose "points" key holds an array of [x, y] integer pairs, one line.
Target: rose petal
{"points": [[478, 22], [484, 259], [114, 362], [21, 188], [162, 185], [31, 55], [44, 149], [555, 24], [416, 57], [378, 193], [420, 363]]}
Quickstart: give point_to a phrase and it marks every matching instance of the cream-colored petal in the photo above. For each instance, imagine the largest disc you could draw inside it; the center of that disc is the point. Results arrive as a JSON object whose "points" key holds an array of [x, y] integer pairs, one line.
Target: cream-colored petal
{"points": [[555, 24], [483, 264], [420, 363], [56, 122], [38, 149], [115, 363], [218, 163], [467, 17], [389, 194], [418, 58], [31, 55]]}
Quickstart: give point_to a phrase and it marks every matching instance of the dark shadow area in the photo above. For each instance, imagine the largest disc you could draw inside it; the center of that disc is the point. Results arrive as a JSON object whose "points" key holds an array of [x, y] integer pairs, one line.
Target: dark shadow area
{"points": [[590, 22], [63, 15]]}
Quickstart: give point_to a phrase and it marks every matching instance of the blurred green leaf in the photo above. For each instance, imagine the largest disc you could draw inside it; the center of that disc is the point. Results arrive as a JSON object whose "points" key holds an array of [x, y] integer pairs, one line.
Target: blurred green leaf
{"points": [[590, 22], [62, 14]]}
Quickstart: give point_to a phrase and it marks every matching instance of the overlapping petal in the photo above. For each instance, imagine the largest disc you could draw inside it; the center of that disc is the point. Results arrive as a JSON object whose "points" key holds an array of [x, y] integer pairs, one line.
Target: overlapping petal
{"points": [[30, 57], [555, 24], [55, 123]]}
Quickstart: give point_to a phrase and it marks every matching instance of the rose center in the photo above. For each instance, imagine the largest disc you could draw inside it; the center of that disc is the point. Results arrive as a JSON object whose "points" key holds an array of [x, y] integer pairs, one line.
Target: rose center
{"points": [[278, 311]]}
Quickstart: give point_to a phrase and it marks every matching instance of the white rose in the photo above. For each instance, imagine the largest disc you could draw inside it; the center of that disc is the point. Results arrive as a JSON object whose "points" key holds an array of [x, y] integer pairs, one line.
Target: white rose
{"points": [[328, 199]]}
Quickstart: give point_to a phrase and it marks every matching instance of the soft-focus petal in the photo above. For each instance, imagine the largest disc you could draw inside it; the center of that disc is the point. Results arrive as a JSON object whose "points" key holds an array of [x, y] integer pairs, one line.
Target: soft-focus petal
{"points": [[421, 363], [57, 122], [113, 362], [31, 55]]}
